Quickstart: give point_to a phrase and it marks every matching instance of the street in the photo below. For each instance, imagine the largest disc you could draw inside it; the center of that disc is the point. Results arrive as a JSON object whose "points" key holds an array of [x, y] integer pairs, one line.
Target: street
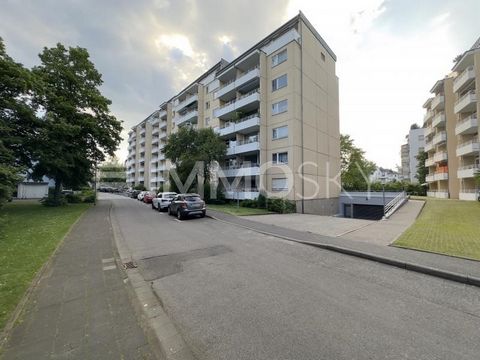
{"points": [[237, 294]]}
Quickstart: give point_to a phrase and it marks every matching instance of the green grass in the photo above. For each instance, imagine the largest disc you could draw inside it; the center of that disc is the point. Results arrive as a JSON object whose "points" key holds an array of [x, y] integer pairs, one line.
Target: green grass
{"points": [[29, 233], [450, 227], [232, 209]]}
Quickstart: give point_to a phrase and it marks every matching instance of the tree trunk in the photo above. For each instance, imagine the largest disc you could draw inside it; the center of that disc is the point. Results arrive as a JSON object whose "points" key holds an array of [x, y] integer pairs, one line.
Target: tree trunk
{"points": [[57, 191]]}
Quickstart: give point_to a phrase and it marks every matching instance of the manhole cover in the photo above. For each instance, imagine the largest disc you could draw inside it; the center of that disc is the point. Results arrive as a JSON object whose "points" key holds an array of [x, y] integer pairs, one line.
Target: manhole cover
{"points": [[129, 265]]}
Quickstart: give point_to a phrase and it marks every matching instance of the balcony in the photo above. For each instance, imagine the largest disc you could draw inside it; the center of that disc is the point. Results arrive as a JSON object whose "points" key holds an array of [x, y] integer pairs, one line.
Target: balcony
{"points": [[464, 79], [163, 124], [468, 148], [189, 100], [228, 90], [467, 103], [245, 125], [429, 146], [155, 130], [428, 115], [429, 162], [428, 131], [142, 131], [439, 120], [441, 137], [468, 125], [430, 178], [467, 171], [442, 175], [163, 135], [245, 146], [438, 102], [157, 179], [189, 117], [246, 102], [468, 195], [240, 171], [241, 195], [440, 157]]}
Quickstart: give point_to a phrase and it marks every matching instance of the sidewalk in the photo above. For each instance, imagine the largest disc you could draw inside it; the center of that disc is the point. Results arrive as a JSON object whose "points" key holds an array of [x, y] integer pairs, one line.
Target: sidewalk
{"points": [[391, 255], [80, 308]]}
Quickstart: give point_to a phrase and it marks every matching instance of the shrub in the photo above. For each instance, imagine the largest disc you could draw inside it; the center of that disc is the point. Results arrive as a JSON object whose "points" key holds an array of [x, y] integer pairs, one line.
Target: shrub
{"points": [[140, 187], [51, 201], [220, 196], [262, 201], [90, 199], [73, 198], [281, 206], [249, 203]]}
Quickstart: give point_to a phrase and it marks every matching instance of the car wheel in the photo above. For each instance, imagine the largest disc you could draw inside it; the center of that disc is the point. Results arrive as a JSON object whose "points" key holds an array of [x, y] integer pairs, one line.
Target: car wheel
{"points": [[179, 215], [153, 207], [169, 210], [202, 215]]}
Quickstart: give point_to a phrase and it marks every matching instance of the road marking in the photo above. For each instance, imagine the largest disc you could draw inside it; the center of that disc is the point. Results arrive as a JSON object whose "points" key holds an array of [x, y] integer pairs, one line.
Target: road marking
{"points": [[110, 267], [109, 260]]}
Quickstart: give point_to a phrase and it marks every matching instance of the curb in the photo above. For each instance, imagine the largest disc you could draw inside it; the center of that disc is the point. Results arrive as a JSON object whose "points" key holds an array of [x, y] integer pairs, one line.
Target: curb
{"points": [[427, 270], [165, 340], [17, 312]]}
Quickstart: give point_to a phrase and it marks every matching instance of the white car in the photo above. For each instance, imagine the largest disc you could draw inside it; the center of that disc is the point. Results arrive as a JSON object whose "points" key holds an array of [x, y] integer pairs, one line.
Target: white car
{"points": [[162, 200], [141, 195]]}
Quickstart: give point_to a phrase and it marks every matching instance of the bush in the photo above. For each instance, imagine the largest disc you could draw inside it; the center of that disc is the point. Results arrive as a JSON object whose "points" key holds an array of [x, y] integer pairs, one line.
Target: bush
{"points": [[90, 199], [220, 196], [262, 201], [140, 187], [281, 206], [249, 204], [73, 198], [51, 201]]}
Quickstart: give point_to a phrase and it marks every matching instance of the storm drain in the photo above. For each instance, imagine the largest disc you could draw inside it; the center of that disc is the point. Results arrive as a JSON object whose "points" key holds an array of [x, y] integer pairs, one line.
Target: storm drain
{"points": [[129, 265]]}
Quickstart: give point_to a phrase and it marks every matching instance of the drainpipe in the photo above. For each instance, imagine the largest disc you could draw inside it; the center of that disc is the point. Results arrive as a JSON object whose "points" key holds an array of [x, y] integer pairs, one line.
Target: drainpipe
{"points": [[301, 115]]}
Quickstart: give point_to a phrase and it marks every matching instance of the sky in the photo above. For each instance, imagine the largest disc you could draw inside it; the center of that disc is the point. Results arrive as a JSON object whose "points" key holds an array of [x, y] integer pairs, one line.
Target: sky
{"points": [[390, 52]]}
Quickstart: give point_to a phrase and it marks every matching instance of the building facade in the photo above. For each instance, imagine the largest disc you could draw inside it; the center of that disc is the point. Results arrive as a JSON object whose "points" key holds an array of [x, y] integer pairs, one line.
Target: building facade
{"points": [[276, 108], [409, 152], [451, 130]]}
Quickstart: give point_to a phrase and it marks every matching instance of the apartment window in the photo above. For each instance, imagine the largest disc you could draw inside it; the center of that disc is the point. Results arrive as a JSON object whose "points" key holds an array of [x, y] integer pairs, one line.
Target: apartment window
{"points": [[280, 132], [279, 82], [279, 58], [323, 56], [280, 158], [279, 184], [280, 107], [207, 121], [207, 105], [421, 137]]}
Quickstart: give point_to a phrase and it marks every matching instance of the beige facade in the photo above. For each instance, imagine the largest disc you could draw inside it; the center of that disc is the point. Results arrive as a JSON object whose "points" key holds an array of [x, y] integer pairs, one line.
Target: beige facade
{"points": [[451, 129], [276, 107]]}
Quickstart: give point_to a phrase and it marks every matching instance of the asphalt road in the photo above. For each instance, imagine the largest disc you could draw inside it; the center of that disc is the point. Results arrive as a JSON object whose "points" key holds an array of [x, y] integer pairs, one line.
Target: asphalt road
{"points": [[237, 294]]}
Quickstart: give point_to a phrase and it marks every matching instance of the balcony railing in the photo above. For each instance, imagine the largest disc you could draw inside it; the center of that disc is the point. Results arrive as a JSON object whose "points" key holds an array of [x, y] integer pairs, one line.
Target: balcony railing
{"points": [[462, 79], [239, 98], [438, 101], [467, 125], [466, 102], [468, 171], [438, 120], [440, 156], [439, 138], [186, 117], [468, 147], [186, 102]]}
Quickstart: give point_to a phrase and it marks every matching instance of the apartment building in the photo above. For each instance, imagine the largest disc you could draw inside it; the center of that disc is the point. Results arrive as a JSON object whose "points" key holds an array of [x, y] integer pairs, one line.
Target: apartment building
{"points": [[451, 130], [409, 152], [276, 108]]}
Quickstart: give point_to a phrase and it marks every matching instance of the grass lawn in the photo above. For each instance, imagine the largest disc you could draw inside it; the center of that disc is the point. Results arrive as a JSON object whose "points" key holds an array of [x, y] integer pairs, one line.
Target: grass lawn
{"points": [[449, 227], [29, 233], [232, 209]]}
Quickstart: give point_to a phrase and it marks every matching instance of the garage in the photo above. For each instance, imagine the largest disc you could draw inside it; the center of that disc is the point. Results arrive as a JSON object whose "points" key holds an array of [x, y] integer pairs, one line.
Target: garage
{"points": [[32, 190]]}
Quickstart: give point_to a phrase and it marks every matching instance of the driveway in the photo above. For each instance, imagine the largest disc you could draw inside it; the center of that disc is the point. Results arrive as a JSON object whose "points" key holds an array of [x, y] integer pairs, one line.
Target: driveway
{"points": [[237, 294], [381, 232]]}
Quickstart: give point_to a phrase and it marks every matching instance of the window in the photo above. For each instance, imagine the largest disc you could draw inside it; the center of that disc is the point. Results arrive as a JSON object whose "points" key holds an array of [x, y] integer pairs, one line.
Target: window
{"points": [[207, 120], [421, 137], [280, 132], [279, 107], [323, 56], [280, 158], [207, 105], [279, 58], [279, 82], [279, 184]]}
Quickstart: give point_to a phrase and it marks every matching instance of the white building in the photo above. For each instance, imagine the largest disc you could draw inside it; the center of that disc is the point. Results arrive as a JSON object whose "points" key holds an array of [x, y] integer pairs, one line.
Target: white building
{"points": [[409, 153], [385, 176]]}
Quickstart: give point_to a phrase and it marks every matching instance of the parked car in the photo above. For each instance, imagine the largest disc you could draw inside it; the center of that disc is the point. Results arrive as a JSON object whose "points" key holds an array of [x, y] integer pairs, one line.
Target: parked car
{"points": [[141, 195], [134, 194], [162, 200], [147, 198], [184, 205]]}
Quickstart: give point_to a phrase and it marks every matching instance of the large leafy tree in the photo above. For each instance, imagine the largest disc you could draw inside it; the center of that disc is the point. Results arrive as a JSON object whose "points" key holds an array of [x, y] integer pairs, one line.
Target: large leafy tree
{"points": [[422, 170], [355, 168], [189, 146], [18, 124], [78, 130]]}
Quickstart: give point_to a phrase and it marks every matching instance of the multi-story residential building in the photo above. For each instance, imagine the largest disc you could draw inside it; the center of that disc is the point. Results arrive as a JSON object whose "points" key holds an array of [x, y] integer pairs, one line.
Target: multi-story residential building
{"points": [[276, 107], [451, 130], [385, 176], [466, 109], [409, 152]]}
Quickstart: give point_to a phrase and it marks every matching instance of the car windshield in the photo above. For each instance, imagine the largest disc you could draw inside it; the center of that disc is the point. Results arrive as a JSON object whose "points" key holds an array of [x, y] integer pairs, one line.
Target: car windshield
{"points": [[169, 196], [192, 198]]}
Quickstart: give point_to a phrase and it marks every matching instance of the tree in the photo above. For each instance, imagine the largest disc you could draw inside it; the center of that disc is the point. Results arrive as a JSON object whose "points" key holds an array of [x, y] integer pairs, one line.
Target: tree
{"points": [[188, 146], [414, 127], [77, 128], [18, 123], [422, 170], [355, 168]]}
